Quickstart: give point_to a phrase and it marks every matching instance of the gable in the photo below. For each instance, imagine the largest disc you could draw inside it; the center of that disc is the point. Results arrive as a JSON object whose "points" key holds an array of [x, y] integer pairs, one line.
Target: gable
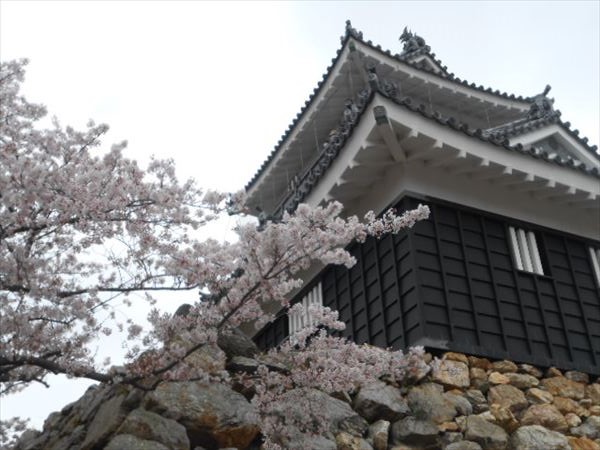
{"points": [[558, 143]]}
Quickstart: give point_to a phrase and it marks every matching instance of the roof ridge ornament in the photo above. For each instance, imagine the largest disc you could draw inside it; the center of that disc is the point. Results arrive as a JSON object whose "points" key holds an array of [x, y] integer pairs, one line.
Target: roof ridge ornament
{"points": [[412, 42], [351, 31], [542, 106]]}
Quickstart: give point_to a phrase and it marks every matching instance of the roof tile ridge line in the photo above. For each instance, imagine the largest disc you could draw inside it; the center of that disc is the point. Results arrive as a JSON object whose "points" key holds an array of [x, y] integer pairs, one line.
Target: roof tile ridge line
{"points": [[366, 95], [449, 76], [358, 35], [452, 122], [299, 115], [521, 126], [583, 140]]}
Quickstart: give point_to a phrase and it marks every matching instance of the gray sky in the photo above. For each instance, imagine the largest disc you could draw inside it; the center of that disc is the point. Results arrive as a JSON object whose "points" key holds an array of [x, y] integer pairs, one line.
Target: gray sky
{"points": [[214, 85]]}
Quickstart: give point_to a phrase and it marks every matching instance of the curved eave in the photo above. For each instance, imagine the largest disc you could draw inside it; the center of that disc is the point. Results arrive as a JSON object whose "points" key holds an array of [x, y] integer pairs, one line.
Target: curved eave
{"points": [[464, 128], [436, 152], [300, 117], [448, 81]]}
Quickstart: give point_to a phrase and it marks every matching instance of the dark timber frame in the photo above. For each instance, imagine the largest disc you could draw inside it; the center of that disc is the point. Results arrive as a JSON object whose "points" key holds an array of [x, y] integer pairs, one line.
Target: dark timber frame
{"points": [[450, 283]]}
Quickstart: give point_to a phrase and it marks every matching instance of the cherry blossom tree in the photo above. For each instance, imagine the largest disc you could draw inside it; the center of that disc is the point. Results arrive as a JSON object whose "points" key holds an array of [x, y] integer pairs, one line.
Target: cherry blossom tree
{"points": [[80, 227]]}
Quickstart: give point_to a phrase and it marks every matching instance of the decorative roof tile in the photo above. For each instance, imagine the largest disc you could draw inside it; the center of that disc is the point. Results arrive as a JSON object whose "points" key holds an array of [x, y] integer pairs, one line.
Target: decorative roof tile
{"points": [[499, 137]]}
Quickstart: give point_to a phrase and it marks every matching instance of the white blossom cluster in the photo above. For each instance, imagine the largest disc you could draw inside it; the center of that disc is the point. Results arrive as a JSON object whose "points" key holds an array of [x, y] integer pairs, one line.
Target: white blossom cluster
{"points": [[79, 227]]}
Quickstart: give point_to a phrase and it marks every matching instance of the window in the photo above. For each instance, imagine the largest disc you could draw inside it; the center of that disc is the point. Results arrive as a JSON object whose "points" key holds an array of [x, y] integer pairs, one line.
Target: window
{"points": [[524, 248], [298, 321], [595, 258]]}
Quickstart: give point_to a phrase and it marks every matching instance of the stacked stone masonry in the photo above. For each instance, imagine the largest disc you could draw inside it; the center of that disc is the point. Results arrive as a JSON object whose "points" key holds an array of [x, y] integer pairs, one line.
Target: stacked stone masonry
{"points": [[461, 403]]}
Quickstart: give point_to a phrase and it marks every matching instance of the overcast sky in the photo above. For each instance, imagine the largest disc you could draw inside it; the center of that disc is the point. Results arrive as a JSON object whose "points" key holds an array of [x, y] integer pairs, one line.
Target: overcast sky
{"points": [[214, 85]]}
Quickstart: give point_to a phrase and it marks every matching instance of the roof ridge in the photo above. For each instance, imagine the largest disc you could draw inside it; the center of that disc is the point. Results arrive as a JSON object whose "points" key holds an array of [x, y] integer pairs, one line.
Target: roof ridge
{"points": [[358, 35], [351, 32]]}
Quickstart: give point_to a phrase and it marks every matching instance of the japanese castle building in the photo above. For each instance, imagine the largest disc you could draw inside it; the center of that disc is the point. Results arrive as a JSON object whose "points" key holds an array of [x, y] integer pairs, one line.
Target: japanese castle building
{"points": [[507, 265]]}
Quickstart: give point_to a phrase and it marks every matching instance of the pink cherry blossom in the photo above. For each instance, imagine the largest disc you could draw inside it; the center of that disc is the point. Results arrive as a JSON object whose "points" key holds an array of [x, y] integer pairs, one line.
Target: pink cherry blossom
{"points": [[80, 226]]}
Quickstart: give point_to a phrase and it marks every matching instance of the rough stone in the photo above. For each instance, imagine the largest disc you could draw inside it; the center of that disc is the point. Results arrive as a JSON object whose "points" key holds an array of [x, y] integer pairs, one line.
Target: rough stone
{"points": [[150, 426], [553, 372], [522, 380], [482, 385], [480, 363], [213, 414], [594, 410], [463, 445], [477, 400], [427, 402], [338, 415], [448, 426], [107, 419], [380, 401], [451, 373], [486, 434], [235, 343], [305, 441], [477, 374], [592, 391], [508, 396], [487, 415], [537, 396], [536, 437], [453, 356], [568, 405], [590, 428], [379, 433], [450, 437], [346, 441], [498, 378], [129, 442], [461, 404], [580, 377], [546, 415], [208, 358], [504, 418], [573, 420], [242, 364], [563, 387], [413, 431], [504, 366], [581, 443], [531, 370]]}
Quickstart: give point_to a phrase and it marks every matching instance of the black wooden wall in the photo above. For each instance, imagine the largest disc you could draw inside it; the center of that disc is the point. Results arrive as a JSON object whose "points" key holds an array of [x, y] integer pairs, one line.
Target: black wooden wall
{"points": [[450, 283]]}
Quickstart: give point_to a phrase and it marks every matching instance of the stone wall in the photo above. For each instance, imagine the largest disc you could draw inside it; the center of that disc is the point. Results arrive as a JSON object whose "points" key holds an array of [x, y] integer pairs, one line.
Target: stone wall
{"points": [[463, 403]]}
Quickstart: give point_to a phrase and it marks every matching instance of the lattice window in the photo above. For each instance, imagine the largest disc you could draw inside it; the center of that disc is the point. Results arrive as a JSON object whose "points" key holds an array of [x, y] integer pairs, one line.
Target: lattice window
{"points": [[595, 259], [297, 321], [525, 251]]}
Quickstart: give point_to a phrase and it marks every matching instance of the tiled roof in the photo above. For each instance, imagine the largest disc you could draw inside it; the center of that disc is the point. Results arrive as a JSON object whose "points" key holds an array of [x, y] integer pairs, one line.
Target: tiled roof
{"points": [[526, 125], [353, 33], [499, 139], [314, 173]]}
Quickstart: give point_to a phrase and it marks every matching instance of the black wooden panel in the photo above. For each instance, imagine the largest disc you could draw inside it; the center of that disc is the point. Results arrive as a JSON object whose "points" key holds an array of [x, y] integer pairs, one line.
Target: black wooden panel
{"points": [[272, 334], [451, 281]]}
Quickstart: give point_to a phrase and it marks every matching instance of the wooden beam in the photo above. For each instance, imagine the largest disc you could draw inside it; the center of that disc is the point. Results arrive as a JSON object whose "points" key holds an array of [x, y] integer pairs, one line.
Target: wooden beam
{"points": [[386, 131], [427, 153], [446, 156], [531, 184], [469, 167], [491, 170], [571, 195], [513, 177]]}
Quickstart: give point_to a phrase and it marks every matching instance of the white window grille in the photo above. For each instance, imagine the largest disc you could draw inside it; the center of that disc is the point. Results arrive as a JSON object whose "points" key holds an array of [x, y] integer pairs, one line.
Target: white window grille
{"points": [[299, 320], [595, 258], [525, 250]]}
